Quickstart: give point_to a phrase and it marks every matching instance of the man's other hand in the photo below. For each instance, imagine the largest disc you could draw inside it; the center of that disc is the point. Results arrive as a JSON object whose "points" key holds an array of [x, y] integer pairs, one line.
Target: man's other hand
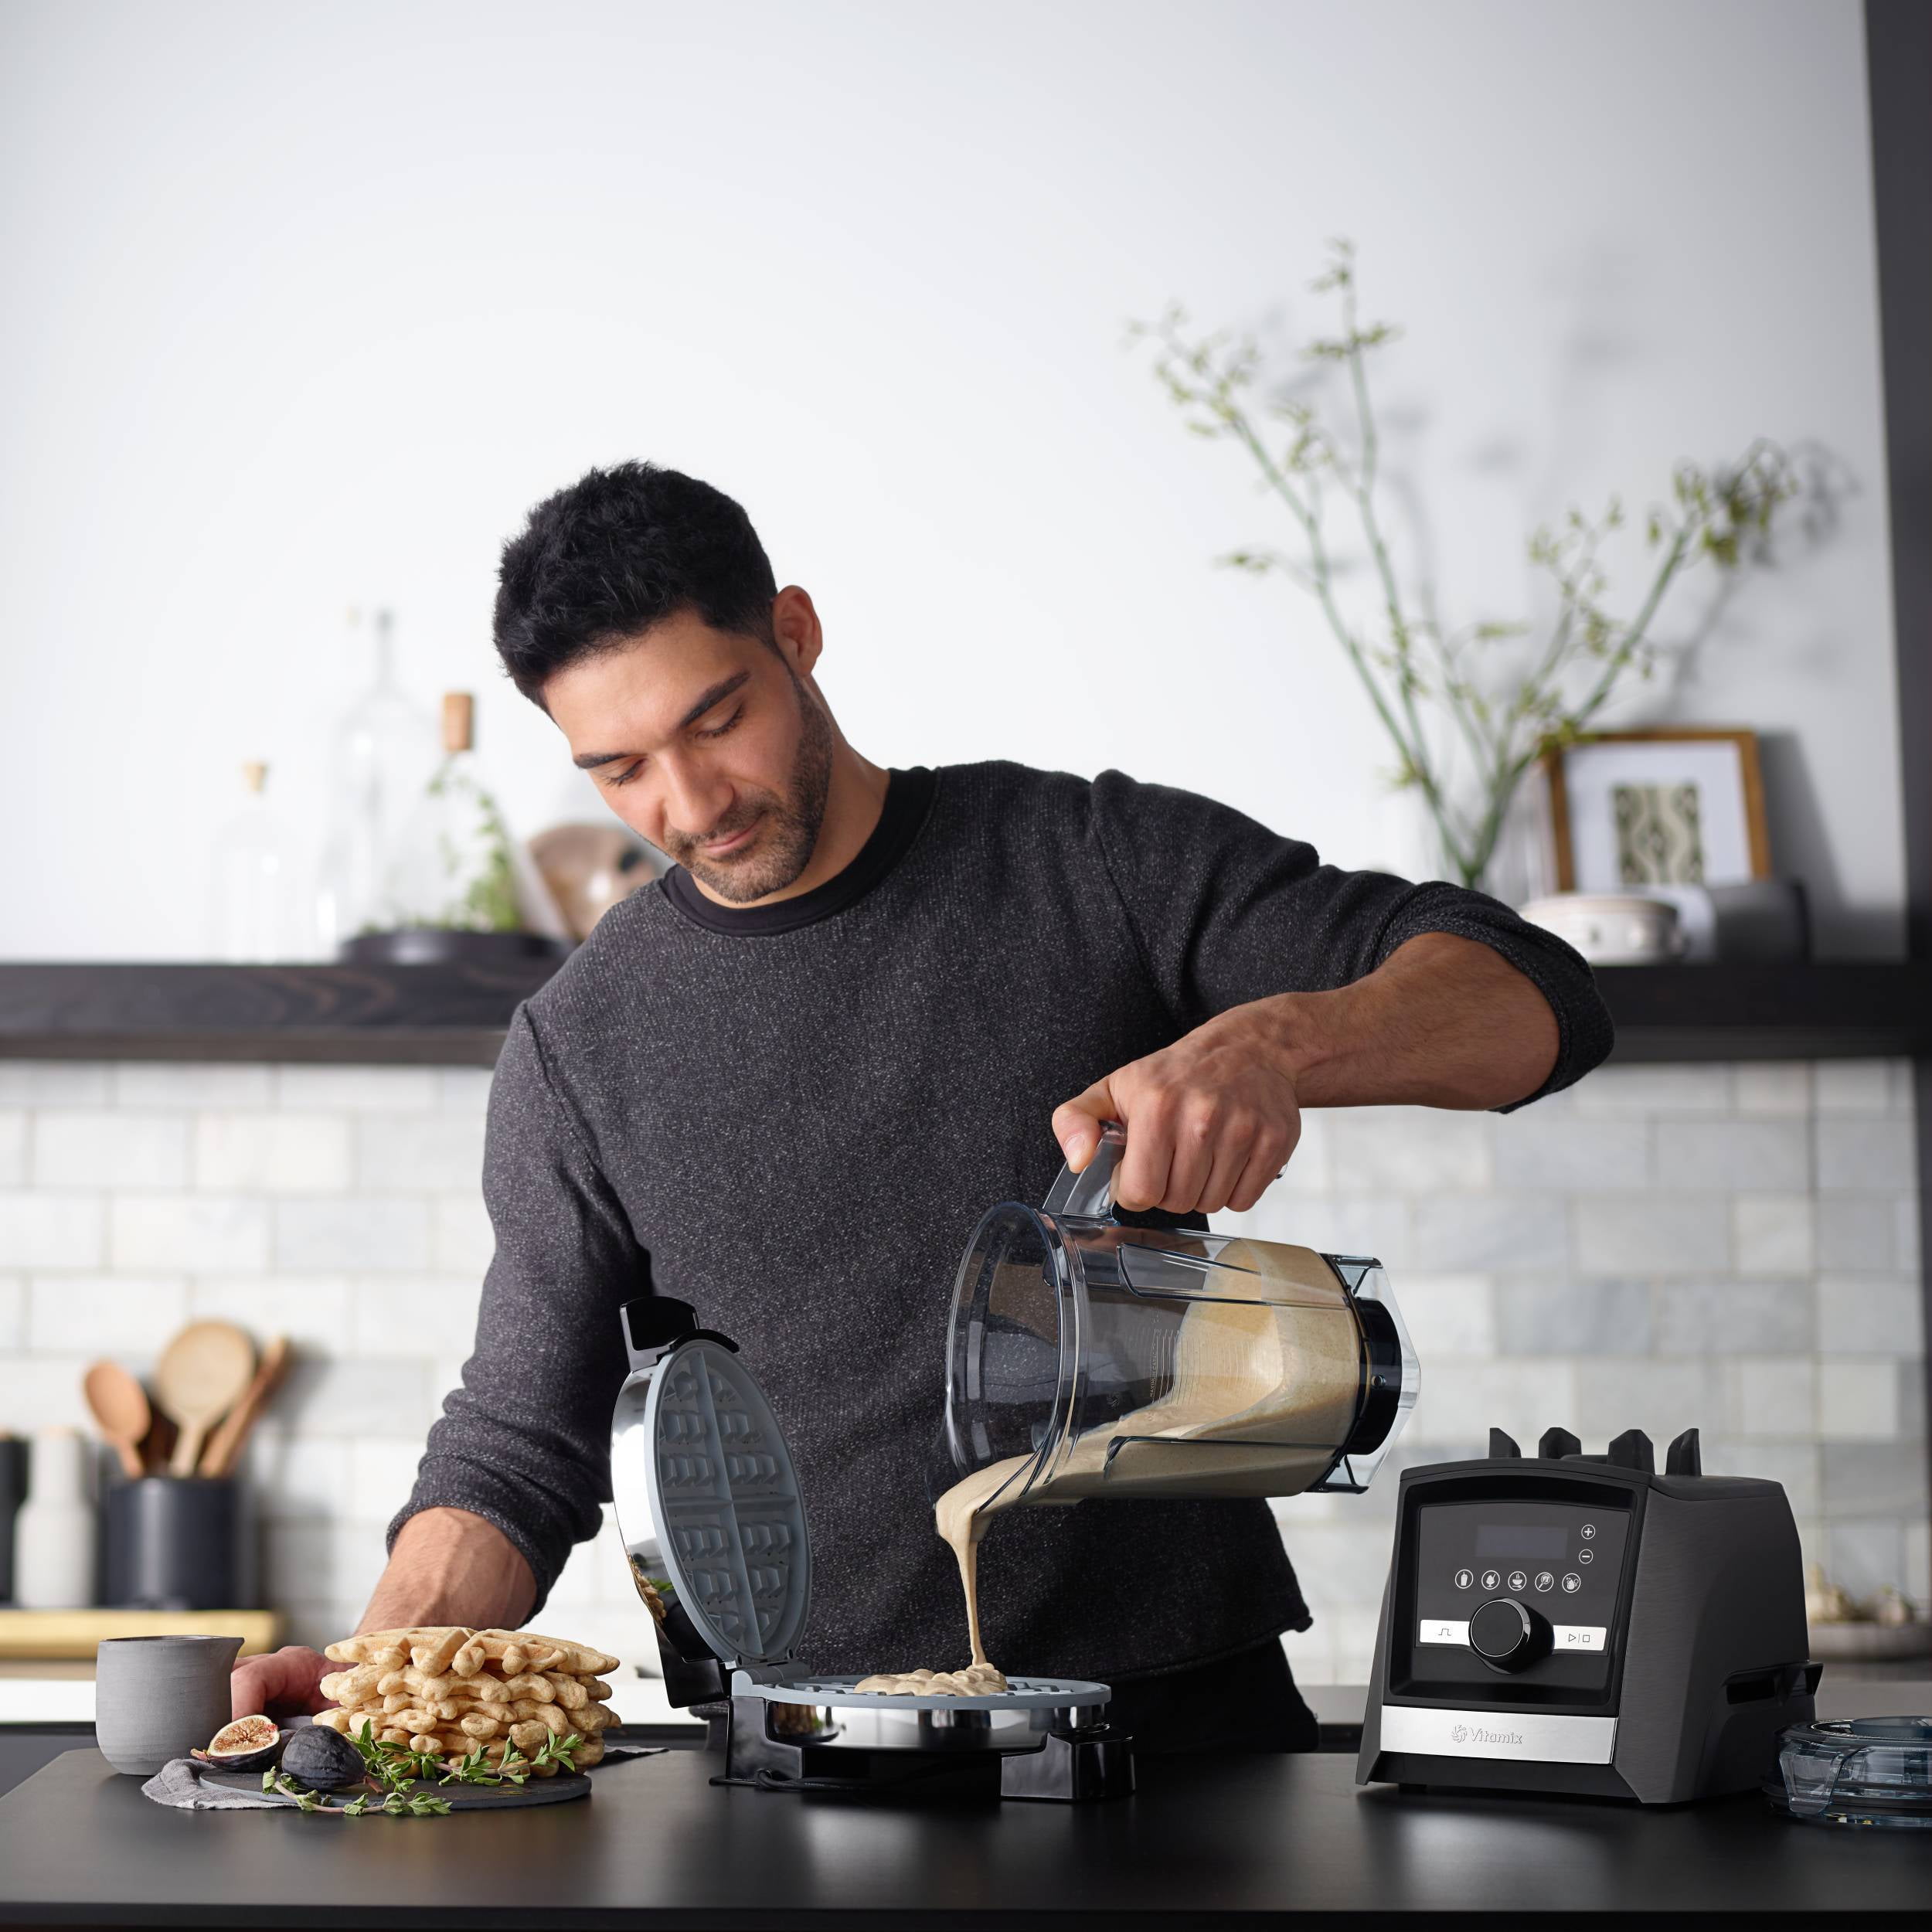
{"points": [[281, 1683], [1211, 1121]]}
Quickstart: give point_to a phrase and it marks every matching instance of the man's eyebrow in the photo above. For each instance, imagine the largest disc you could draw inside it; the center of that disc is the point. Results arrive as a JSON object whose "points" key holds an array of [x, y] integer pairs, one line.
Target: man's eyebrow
{"points": [[716, 695]]}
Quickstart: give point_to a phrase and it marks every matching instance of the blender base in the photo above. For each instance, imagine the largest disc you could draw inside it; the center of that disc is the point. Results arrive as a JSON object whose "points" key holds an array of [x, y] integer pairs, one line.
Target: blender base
{"points": [[963, 1758]]}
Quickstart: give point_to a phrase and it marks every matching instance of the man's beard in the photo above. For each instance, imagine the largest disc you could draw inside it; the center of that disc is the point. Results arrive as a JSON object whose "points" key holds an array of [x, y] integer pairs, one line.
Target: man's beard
{"points": [[792, 821]]}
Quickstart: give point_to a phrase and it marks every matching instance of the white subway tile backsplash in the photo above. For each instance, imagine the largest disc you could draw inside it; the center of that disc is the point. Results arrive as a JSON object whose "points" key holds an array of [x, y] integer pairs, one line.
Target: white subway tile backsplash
{"points": [[1573, 1154], [463, 1242], [85, 1147], [1852, 1086], [1859, 1155], [1772, 1087], [1764, 1156], [1865, 1555], [1735, 1317], [53, 1083], [1773, 1234], [382, 1474], [421, 1317], [1662, 1398], [419, 1154], [358, 1089], [1662, 1234], [203, 1234], [1409, 1149], [52, 1230], [1870, 1314], [1857, 1231], [1523, 1234], [39, 1390], [190, 1085], [130, 1318], [1538, 1317], [463, 1089], [1858, 1401], [1732, 1247], [1449, 1314], [1774, 1396], [315, 1311], [1656, 1089], [353, 1232], [350, 1398], [270, 1153]]}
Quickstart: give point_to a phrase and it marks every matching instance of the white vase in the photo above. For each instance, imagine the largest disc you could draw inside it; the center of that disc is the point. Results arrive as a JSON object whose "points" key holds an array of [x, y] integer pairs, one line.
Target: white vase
{"points": [[53, 1563]]}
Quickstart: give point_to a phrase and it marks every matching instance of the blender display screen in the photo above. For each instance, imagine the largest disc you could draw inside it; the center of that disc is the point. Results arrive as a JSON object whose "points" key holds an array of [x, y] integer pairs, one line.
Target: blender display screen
{"points": [[1504, 1540]]}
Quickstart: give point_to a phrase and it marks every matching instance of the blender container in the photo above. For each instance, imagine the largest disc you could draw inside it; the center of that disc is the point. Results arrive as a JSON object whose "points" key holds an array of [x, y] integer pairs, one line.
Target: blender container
{"points": [[1097, 1359]]}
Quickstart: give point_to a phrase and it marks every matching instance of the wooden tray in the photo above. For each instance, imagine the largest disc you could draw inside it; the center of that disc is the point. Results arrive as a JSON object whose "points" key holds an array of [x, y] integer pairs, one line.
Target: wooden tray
{"points": [[75, 1633], [460, 1798]]}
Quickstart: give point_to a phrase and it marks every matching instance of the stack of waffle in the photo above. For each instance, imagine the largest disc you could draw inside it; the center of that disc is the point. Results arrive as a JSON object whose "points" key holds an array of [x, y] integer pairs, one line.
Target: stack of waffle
{"points": [[453, 1691]]}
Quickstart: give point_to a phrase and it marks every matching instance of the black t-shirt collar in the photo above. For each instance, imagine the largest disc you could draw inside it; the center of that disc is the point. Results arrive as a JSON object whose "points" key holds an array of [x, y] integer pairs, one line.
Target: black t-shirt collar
{"points": [[909, 796]]}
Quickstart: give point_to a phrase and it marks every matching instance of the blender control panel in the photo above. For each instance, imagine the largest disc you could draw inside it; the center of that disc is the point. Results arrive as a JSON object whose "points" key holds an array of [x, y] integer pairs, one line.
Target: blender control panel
{"points": [[1561, 1561]]}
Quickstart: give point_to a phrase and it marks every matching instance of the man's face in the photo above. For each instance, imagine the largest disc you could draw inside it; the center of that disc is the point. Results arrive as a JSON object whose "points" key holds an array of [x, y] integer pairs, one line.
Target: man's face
{"points": [[708, 744]]}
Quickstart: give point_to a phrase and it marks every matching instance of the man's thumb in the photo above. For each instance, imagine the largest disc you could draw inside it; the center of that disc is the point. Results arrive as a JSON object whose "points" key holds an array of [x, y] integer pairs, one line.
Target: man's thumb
{"points": [[1077, 1122]]}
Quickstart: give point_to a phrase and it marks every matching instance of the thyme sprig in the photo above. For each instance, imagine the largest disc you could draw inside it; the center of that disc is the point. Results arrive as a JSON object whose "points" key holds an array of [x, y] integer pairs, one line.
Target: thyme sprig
{"points": [[392, 1770]]}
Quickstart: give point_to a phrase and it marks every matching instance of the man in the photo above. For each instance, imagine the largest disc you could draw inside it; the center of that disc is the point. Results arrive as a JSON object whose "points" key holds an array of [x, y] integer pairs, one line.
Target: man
{"points": [[865, 1006]]}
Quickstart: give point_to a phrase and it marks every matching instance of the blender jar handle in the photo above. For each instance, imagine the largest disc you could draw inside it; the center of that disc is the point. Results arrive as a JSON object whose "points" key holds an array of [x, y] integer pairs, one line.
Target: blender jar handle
{"points": [[1087, 1195]]}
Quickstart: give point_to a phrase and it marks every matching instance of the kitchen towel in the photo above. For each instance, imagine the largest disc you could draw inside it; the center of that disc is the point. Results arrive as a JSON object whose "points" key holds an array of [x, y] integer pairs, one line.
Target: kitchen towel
{"points": [[179, 1783]]}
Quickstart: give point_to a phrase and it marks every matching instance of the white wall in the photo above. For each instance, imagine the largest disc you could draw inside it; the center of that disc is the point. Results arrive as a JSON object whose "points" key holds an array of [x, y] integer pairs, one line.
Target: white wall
{"points": [[307, 304]]}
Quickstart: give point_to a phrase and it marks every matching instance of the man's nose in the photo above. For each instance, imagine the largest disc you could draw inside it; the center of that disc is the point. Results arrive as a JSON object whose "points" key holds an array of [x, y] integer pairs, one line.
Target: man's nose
{"points": [[694, 802]]}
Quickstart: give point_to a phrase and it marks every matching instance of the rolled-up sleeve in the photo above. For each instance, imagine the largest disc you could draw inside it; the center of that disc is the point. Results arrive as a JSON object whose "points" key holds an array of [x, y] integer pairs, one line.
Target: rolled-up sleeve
{"points": [[1225, 911], [524, 1440]]}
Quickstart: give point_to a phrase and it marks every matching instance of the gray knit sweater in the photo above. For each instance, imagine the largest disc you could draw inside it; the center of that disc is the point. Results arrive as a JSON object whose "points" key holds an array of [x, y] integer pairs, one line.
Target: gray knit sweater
{"points": [[801, 1110]]}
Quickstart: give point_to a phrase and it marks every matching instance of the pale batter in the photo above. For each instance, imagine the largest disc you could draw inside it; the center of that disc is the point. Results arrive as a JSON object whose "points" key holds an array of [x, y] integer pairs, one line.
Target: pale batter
{"points": [[1275, 1382]]}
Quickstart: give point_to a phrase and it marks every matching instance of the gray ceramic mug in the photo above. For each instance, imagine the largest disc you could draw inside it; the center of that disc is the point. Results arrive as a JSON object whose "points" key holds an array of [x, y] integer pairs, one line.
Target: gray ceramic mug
{"points": [[158, 1698]]}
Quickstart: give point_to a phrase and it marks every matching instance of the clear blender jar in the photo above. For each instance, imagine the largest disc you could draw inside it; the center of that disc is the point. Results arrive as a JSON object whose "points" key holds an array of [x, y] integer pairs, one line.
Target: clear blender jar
{"points": [[1091, 1359]]}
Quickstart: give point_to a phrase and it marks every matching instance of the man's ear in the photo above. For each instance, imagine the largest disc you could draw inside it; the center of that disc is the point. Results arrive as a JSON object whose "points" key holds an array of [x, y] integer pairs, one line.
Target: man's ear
{"points": [[796, 629]]}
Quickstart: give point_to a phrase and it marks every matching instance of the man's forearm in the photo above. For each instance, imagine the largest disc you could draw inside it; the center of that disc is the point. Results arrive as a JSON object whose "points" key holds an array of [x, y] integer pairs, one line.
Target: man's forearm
{"points": [[448, 1567], [1443, 1022]]}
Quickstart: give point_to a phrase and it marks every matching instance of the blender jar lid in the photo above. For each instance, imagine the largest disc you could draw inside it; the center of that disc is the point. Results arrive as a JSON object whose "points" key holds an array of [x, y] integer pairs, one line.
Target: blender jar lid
{"points": [[724, 1495], [1864, 1770]]}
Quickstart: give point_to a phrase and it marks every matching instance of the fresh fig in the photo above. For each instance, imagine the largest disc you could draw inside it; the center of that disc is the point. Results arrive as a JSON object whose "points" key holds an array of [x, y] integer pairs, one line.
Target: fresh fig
{"points": [[323, 1760], [244, 1745]]}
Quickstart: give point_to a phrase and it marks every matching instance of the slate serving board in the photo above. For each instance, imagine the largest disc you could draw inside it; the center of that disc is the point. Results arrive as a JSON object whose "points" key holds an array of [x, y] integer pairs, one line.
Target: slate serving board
{"points": [[460, 1797]]}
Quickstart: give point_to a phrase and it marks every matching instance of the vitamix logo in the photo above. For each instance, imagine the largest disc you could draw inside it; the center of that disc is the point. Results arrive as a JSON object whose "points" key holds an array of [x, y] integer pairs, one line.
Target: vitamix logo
{"points": [[1477, 1734]]}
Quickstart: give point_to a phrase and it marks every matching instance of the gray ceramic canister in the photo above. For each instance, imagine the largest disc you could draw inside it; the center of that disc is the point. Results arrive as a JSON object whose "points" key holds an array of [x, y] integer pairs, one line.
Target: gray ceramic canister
{"points": [[158, 1698]]}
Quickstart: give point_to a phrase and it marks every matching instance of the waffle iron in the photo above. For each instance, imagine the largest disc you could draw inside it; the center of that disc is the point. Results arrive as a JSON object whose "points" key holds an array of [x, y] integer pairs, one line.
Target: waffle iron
{"points": [[713, 1526]]}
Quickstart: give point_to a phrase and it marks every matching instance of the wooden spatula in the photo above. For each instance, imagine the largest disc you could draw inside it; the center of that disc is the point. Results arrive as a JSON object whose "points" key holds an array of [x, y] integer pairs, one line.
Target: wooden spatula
{"points": [[120, 1411], [225, 1445], [205, 1371]]}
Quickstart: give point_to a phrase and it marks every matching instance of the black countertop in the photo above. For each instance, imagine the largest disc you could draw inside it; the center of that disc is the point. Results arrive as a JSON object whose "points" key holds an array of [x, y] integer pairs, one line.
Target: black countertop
{"points": [[1203, 1841]]}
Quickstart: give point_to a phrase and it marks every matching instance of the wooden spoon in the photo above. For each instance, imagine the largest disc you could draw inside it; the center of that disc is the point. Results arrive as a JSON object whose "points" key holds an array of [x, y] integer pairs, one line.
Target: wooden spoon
{"points": [[120, 1411], [225, 1445], [205, 1371]]}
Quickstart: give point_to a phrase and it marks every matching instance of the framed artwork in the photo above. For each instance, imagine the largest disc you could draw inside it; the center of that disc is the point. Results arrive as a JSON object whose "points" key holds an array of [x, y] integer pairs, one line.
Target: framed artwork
{"points": [[1633, 809]]}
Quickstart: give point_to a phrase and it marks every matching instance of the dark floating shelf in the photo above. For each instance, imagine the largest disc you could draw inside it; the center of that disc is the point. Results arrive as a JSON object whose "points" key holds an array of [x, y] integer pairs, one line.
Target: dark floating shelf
{"points": [[454, 1015], [446, 1015]]}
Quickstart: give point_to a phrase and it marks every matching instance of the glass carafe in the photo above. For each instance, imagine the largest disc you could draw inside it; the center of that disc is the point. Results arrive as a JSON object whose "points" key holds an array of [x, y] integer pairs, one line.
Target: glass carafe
{"points": [[1097, 1359]]}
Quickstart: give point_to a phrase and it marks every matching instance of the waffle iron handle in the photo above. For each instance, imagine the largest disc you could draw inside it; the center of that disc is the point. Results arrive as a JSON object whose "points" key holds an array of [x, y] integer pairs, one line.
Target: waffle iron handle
{"points": [[1087, 1196]]}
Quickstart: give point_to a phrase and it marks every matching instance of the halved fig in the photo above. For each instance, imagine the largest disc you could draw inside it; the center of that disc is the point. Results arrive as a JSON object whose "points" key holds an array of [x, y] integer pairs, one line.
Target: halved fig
{"points": [[244, 1745]]}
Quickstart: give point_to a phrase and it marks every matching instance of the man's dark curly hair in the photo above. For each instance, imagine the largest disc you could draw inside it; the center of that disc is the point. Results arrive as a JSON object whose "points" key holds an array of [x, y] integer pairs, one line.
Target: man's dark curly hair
{"points": [[618, 551]]}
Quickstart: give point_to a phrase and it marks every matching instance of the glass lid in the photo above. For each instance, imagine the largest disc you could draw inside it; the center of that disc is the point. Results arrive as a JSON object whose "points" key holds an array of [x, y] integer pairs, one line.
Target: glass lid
{"points": [[1863, 1771], [724, 1496]]}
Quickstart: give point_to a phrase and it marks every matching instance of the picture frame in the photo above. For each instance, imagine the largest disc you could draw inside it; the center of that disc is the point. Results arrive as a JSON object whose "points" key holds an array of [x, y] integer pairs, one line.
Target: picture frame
{"points": [[1671, 806]]}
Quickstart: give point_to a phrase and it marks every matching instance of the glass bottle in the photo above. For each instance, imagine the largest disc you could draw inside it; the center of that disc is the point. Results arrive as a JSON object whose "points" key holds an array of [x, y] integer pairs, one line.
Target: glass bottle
{"points": [[255, 913], [385, 751], [456, 869]]}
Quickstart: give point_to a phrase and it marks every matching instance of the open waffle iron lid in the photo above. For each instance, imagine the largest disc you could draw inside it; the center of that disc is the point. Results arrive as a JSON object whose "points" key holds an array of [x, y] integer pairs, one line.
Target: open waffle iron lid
{"points": [[724, 1494]]}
